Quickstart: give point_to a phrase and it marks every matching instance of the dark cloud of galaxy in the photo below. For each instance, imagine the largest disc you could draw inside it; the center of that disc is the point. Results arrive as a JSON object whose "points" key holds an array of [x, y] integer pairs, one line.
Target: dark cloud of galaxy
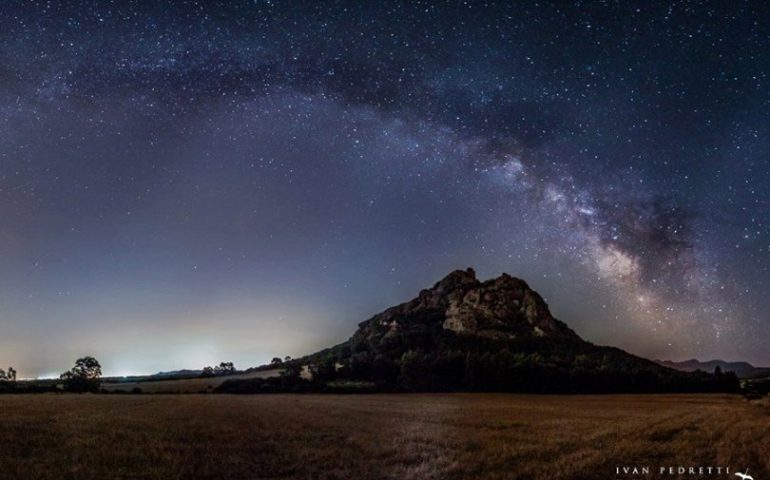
{"points": [[187, 181]]}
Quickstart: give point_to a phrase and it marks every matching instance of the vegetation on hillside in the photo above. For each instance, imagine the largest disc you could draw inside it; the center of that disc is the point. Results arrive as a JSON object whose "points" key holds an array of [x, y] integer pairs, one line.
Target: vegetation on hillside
{"points": [[425, 360], [224, 368]]}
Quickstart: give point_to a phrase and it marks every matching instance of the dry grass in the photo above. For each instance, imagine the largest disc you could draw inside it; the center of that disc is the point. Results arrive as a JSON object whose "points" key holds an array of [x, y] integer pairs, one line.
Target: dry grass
{"points": [[401, 437]]}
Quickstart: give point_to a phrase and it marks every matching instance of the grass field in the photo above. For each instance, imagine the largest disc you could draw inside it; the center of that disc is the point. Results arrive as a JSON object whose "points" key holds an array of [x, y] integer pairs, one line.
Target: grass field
{"points": [[188, 385], [453, 436]]}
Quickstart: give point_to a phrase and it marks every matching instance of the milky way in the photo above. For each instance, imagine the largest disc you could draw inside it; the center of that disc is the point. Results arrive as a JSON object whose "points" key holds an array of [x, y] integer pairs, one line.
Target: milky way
{"points": [[190, 182]]}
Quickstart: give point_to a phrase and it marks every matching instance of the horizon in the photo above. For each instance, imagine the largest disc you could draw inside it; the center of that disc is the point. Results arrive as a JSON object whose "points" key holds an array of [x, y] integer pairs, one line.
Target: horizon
{"points": [[187, 184], [109, 374]]}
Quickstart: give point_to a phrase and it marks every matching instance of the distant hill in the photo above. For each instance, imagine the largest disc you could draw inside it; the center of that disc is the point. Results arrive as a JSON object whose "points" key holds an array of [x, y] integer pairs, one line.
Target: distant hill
{"points": [[742, 369], [170, 375], [179, 383], [466, 335]]}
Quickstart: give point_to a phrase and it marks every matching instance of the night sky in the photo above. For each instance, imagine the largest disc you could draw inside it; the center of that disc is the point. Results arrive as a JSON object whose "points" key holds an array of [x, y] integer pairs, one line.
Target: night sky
{"points": [[193, 182]]}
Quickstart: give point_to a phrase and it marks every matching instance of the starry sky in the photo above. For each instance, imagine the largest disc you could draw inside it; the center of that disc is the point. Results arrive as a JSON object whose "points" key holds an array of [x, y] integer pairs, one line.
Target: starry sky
{"points": [[183, 183]]}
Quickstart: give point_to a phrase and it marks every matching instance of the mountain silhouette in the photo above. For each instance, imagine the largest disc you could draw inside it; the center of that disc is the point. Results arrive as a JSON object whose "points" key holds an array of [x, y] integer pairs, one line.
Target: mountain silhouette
{"points": [[742, 369], [463, 334]]}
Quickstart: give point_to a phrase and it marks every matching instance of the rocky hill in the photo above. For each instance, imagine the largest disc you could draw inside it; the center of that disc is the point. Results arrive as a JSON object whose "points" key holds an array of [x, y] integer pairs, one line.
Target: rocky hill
{"points": [[501, 308], [463, 334]]}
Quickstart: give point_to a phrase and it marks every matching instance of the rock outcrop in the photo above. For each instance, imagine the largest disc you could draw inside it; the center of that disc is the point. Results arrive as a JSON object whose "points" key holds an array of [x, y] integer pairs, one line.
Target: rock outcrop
{"points": [[504, 307]]}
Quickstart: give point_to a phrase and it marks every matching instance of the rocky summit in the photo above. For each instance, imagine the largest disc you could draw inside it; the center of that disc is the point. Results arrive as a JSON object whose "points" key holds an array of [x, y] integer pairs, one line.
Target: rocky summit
{"points": [[501, 308]]}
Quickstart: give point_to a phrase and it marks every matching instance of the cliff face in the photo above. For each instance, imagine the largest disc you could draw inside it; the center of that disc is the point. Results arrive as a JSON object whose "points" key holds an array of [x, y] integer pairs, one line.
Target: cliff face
{"points": [[501, 308]]}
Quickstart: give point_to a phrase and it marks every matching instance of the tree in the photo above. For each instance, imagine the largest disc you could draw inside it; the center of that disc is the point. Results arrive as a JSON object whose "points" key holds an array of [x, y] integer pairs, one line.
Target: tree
{"points": [[361, 366], [415, 370], [84, 376], [276, 361], [225, 368], [9, 376], [324, 370], [291, 371], [87, 367]]}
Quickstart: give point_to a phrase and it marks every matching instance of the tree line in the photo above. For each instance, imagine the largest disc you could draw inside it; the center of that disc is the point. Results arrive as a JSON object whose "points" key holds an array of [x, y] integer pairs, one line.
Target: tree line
{"points": [[448, 363], [84, 376]]}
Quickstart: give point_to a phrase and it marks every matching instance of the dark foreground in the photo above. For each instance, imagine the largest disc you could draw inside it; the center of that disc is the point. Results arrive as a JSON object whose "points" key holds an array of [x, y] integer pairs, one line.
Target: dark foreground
{"points": [[460, 436]]}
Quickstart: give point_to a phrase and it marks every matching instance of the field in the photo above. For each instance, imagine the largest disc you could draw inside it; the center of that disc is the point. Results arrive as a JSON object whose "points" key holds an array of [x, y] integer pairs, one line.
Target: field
{"points": [[406, 437], [189, 385]]}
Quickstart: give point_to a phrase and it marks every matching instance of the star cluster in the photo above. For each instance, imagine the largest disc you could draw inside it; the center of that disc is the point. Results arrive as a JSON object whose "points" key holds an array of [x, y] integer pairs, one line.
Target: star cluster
{"points": [[188, 182]]}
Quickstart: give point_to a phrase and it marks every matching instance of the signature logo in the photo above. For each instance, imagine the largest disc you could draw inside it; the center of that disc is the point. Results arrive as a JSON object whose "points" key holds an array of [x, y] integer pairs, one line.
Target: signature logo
{"points": [[744, 476]]}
